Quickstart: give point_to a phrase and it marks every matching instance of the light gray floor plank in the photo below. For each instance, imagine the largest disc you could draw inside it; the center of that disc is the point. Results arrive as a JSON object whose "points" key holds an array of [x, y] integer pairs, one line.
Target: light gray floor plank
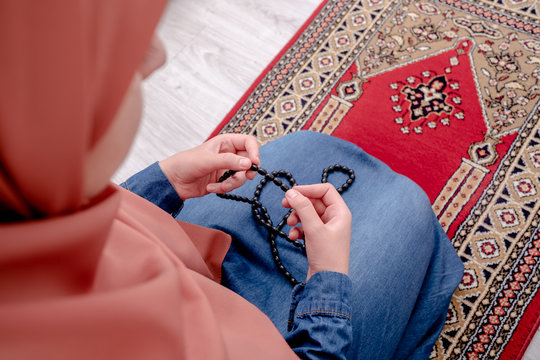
{"points": [[216, 49], [533, 351]]}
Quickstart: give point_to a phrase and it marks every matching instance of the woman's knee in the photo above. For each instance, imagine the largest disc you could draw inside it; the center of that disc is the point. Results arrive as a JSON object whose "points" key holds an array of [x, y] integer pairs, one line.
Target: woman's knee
{"points": [[411, 219]]}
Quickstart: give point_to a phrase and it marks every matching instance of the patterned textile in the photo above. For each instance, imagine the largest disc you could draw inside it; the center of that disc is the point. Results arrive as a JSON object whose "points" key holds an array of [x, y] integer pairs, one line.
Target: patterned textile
{"points": [[447, 93]]}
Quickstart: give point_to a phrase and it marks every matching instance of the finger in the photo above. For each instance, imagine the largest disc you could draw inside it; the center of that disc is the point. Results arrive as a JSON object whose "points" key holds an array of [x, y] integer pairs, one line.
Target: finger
{"points": [[227, 161], [327, 193], [231, 183], [285, 203], [250, 174], [296, 233], [251, 146], [219, 188], [303, 208], [242, 153], [317, 204], [238, 179], [241, 142], [293, 219]]}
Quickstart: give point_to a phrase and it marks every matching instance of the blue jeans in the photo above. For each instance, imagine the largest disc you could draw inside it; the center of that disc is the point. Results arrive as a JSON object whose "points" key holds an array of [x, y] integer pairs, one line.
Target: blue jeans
{"points": [[403, 268]]}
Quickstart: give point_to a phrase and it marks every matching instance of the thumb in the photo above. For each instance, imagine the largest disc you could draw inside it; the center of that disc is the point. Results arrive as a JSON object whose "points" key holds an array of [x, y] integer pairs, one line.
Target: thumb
{"points": [[228, 161], [304, 209]]}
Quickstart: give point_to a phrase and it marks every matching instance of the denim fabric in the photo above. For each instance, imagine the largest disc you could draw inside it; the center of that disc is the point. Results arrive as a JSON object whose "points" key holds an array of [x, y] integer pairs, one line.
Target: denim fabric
{"points": [[320, 317], [152, 184], [403, 268]]}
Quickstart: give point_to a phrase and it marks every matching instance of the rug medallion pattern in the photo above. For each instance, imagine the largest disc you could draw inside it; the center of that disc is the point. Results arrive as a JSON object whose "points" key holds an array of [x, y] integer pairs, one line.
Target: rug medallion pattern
{"points": [[446, 92]]}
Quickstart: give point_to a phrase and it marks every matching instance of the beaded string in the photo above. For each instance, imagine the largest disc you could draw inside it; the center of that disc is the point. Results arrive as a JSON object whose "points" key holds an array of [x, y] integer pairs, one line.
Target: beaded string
{"points": [[261, 213]]}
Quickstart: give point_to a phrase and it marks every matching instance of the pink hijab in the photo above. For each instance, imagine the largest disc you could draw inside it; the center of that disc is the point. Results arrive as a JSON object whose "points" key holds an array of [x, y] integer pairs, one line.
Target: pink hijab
{"points": [[118, 278]]}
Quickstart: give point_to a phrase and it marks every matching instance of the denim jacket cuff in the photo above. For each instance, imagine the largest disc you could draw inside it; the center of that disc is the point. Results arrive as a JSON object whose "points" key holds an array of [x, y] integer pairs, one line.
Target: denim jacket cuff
{"points": [[327, 294], [152, 185]]}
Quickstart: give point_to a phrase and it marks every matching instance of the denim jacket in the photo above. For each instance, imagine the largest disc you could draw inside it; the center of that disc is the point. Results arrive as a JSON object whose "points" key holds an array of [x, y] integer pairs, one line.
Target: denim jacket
{"points": [[320, 325]]}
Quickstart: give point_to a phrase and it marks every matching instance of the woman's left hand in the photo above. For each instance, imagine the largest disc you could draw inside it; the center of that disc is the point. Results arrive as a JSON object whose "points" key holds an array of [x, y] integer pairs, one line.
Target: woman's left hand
{"points": [[195, 172]]}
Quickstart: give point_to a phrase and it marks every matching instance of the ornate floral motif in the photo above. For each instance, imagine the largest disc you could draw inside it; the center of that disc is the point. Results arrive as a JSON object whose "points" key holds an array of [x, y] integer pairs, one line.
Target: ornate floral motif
{"points": [[484, 152], [407, 35], [350, 90], [531, 45], [478, 28], [428, 98], [512, 83]]}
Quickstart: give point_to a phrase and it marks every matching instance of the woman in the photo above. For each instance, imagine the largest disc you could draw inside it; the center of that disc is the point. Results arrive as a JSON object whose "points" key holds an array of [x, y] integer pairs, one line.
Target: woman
{"points": [[90, 270]]}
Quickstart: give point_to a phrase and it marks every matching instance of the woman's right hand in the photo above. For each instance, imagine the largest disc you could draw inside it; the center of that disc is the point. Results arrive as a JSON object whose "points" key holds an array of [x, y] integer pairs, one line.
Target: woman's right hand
{"points": [[326, 225]]}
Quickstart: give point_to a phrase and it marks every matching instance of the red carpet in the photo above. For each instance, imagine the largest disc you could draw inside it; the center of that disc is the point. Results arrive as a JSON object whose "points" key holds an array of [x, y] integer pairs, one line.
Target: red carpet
{"points": [[447, 93]]}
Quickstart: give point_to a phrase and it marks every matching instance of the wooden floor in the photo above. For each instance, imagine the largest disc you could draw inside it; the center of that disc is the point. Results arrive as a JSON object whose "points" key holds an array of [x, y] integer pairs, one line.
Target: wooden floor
{"points": [[216, 50]]}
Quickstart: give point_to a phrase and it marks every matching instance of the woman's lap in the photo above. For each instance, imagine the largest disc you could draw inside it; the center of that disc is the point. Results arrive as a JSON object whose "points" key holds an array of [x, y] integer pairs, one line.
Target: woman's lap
{"points": [[404, 269]]}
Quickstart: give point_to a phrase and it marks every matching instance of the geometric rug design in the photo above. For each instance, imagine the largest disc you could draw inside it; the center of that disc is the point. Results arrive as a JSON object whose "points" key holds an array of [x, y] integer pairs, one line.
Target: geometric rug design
{"points": [[447, 93]]}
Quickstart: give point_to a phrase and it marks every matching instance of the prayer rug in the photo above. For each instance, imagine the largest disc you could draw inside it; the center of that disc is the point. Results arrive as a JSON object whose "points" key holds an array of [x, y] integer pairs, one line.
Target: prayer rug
{"points": [[447, 93]]}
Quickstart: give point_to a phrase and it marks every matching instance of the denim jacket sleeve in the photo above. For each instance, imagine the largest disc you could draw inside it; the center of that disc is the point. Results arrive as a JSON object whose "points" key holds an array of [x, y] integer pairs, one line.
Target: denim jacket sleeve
{"points": [[320, 324], [152, 185]]}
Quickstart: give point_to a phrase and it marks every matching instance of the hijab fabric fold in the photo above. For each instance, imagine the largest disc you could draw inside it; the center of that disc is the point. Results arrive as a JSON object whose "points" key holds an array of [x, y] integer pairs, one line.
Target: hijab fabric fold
{"points": [[118, 278], [65, 67]]}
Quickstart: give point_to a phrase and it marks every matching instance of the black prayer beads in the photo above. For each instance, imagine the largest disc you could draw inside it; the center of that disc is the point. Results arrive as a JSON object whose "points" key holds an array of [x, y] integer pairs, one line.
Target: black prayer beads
{"points": [[262, 216]]}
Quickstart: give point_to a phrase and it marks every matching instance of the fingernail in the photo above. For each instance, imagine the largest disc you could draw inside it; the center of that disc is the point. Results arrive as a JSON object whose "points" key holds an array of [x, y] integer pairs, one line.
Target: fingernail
{"points": [[291, 194], [211, 188], [245, 163], [228, 186]]}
